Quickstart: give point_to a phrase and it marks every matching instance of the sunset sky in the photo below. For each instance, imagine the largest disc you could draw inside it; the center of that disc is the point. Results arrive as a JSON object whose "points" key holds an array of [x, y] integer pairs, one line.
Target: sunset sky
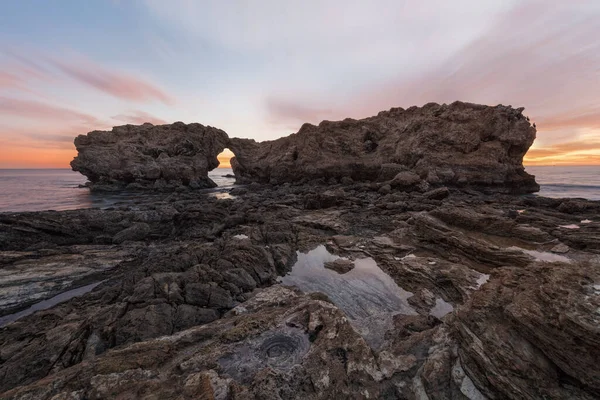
{"points": [[259, 69]]}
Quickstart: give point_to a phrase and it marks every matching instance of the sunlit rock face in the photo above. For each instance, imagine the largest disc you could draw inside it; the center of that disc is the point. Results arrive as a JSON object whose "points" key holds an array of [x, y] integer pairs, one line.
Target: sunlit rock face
{"points": [[162, 157], [460, 144]]}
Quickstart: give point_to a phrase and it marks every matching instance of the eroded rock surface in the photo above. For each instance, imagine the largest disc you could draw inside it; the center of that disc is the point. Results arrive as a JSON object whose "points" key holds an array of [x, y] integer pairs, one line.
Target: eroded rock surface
{"points": [[162, 157], [418, 149], [460, 144], [194, 303], [542, 321]]}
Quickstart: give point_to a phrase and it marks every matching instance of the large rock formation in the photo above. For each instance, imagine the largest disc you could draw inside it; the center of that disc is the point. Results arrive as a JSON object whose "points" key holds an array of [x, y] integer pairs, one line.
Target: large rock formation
{"points": [[150, 157], [458, 144]]}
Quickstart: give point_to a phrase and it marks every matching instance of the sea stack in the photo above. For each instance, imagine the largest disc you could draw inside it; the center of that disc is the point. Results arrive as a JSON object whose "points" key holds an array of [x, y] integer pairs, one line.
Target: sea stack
{"points": [[149, 157], [461, 145]]}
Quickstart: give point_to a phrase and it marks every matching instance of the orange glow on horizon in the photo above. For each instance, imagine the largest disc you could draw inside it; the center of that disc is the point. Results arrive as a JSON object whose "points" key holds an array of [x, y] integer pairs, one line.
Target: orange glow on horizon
{"points": [[564, 161], [23, 157], [225, 159], [583, 152], [32, 157]]}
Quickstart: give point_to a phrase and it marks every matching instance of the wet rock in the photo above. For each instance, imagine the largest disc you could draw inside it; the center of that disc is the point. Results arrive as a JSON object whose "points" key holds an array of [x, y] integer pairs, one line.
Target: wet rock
{"points": [[449, 242], [390, 170], [341, 266], [423, 299], [144, 323], [240, 278], [512, 214], [27, 278]]}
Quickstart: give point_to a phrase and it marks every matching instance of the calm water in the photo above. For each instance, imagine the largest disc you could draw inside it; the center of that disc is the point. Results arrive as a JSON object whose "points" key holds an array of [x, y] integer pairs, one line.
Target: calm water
{"points": [[368, 296], [51, 302], [583, 181], [57, 189]]}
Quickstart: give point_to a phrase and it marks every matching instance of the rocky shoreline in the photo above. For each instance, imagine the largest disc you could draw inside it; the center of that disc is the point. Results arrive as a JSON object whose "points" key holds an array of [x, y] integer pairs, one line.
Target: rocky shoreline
{"points": [[394, 257], [191, 305]]}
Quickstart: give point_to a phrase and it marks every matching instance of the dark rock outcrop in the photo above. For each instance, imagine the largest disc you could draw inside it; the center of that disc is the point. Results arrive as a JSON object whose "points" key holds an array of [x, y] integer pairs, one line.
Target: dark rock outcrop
{"points": [[460, 144], [341, 266], [534, 333], [188, 303], [162, 157]]}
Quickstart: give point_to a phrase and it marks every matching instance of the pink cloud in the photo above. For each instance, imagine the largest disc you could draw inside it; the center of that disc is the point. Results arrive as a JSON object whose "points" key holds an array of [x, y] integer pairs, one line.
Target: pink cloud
{"points": [[544, 58], [138, 117], [53, 135], [27, 67], [575, 119], [37, 110], [293, 112], [115, 83], [9, 80], [37, 140]]}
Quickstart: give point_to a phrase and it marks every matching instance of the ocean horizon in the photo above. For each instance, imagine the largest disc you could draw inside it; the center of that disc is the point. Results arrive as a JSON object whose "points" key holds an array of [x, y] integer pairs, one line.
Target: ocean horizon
{"points": [[40, 189]]}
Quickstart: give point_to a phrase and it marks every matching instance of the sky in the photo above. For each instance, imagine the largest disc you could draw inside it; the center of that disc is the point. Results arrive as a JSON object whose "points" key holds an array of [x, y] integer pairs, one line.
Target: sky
{"points": [[259, 69]]}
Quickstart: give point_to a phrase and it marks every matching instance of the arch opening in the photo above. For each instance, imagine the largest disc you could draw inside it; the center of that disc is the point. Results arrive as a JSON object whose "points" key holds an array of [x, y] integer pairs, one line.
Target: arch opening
{"points": [[223, 174]]}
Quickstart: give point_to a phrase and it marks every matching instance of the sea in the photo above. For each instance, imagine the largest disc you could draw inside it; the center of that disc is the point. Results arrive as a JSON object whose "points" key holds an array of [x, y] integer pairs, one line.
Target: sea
{"points": [[59, 189]]}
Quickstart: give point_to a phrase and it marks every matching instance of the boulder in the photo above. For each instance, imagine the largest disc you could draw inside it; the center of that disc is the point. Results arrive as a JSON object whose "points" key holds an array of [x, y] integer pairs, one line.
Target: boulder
{"points": [[460, 144], [162, 157], [573, 206], [341, 266], [385, 189], [405, 179]]}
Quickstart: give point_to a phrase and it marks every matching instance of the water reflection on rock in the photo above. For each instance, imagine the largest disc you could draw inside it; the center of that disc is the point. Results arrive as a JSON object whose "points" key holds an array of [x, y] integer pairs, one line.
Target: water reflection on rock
{"points": [[544, 256], [441, 308], [367, 295], [51, 302], [221, 195]]}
